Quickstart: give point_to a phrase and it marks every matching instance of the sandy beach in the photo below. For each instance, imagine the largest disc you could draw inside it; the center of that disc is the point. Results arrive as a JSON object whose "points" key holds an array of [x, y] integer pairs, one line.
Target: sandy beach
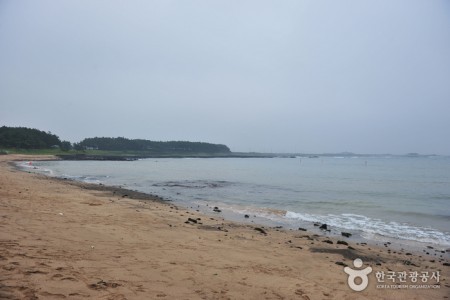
{"points": [[65, 240]]}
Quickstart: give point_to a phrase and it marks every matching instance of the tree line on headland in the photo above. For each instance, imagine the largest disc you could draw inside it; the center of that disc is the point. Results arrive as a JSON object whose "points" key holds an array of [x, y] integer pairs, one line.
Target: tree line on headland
{"points": [[29, 138], [124, 144]]}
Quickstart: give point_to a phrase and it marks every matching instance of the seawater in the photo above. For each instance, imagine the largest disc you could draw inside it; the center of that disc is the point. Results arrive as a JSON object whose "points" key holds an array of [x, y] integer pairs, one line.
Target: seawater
{"points": [[378, 198]]}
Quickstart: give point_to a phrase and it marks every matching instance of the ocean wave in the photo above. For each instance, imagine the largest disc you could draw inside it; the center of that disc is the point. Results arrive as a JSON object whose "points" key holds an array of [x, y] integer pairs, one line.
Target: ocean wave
{"points": [[32, 167], [377, 226], [193, 184], [323, 203], [415, 214], [85, 178]]}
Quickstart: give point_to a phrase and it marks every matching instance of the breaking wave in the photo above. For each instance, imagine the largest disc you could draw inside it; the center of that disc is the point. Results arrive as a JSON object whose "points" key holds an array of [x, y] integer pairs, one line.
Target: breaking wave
{"points": [[368, 225]]}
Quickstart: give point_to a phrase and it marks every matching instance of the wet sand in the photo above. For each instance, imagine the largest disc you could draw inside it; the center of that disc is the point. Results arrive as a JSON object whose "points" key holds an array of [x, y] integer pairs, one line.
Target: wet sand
{"points": [[66, 240]]}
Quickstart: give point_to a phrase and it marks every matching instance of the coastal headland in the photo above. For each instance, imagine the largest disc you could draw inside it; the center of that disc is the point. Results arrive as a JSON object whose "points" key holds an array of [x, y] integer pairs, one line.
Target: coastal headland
{"points": [[61, 239]]}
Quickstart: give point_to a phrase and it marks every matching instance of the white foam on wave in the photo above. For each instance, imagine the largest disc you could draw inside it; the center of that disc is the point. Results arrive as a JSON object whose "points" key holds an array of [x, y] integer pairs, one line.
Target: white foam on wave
{"points": [[32, 167], [371, 226], [86, 179]]}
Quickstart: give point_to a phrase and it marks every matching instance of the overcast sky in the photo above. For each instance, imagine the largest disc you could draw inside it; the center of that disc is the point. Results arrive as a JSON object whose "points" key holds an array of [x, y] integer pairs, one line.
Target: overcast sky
{"points": [[281, 76]]}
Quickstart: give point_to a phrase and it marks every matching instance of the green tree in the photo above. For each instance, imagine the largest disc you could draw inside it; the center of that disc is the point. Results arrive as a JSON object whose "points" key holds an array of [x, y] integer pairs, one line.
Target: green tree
{"points": [[66, 146], [27, 138]]}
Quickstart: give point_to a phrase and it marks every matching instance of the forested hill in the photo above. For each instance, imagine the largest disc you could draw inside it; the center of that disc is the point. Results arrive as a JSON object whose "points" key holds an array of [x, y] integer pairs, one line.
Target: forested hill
{"points": [[30, 138], [124, 144], [27, 138]]}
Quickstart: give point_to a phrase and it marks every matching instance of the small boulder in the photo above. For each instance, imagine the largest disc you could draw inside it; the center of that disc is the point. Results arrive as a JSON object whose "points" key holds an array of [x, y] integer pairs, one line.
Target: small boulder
{"points": [[261, 230]]}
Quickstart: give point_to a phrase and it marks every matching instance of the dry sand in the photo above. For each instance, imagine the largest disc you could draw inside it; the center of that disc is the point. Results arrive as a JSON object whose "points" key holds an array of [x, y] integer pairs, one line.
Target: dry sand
{"points": [[65, 240]]}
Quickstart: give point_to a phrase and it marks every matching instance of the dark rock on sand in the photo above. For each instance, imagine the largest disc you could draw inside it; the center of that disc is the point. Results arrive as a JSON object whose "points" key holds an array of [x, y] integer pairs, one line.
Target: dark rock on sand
{"points": [[216, 209], [346, 234], [260, 230], [316, 224], [328, 241], [301, 229], [192, 220], [246, 216], [340, 263], [324, 226], [342, 243], [409, 263], [446, 264], [103, 284]]}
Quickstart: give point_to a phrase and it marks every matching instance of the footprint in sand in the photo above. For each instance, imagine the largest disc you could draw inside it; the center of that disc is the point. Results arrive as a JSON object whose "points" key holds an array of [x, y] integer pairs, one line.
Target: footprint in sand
{"points": [[47, 295], [302, 294]]}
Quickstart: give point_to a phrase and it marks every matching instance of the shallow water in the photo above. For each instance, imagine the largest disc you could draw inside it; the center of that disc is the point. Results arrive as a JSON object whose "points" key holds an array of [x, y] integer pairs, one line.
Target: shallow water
{"points": [[405, 198]]}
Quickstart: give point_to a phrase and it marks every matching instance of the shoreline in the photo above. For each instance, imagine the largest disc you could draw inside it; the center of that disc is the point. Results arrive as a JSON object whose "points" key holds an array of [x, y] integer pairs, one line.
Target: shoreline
{"points": [[396, 245], [181, 247], [337, 233], [377, 240]]}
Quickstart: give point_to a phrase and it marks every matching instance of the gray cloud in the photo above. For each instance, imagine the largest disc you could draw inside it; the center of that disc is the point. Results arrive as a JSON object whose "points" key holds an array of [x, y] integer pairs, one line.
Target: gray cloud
{"points": [[305, 76]]}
